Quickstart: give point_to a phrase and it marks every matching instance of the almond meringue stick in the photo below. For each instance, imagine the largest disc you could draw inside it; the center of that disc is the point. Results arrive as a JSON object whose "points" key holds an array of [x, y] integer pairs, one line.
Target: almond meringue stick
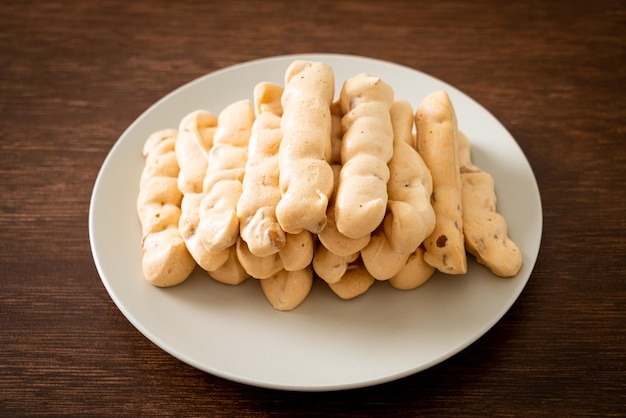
{"points": [[306, 178], [219, 224], [195, 140], [367, 147], [165, 259], [436, 125], [486, 232], [256, 208]]}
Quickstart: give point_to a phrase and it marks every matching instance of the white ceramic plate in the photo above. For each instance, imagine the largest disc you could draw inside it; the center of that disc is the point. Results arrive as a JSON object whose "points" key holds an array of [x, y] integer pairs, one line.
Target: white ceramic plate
{"points": [[326, 343]]}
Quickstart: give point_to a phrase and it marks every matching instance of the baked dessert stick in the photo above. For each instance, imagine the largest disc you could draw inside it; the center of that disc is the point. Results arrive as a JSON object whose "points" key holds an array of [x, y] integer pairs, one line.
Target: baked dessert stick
{"points": [[367, 147], [195, 139], [256, 208], [330, 237], [410, 217], [436, 126], [219, 224], [485, 230], [286, 290], [306, 178], [165, 259], [414, 273]]}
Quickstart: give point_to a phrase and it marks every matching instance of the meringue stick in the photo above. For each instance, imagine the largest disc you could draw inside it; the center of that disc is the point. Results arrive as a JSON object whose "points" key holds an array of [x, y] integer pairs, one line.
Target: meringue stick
{"points": [[436, 126], [410, 217], [286, 290], [335, 251], [195, 139], [330, 237], [256, 208], [165, 259], [306, 178], [485, 230], [219, 224], [367, 147], [409, 187]]}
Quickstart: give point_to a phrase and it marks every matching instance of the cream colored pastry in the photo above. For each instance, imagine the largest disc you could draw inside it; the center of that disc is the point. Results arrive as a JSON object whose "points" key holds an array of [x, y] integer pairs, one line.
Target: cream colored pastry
{"points": [[195, 139], [486, 232], [256, 208], [409, 187], [165, 259], [286, 290], [415, 272], [306, 178], [219, 224], [231, 272], [330, 236], [437, 144], [367, 147], [410, 217], [355, 282]]}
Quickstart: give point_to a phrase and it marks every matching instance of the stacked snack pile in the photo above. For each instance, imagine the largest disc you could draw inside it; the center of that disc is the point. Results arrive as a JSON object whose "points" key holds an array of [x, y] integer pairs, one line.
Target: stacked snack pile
{"points": [[296, 186]]}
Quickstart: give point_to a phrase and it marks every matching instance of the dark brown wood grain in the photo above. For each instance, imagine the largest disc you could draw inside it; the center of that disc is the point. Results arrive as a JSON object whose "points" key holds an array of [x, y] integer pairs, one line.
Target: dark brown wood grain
{"points": [[74, 75]]}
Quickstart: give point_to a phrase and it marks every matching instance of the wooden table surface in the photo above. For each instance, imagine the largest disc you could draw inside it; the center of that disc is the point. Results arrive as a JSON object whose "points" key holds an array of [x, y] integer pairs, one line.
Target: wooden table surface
{"points": [[74, 76]]}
